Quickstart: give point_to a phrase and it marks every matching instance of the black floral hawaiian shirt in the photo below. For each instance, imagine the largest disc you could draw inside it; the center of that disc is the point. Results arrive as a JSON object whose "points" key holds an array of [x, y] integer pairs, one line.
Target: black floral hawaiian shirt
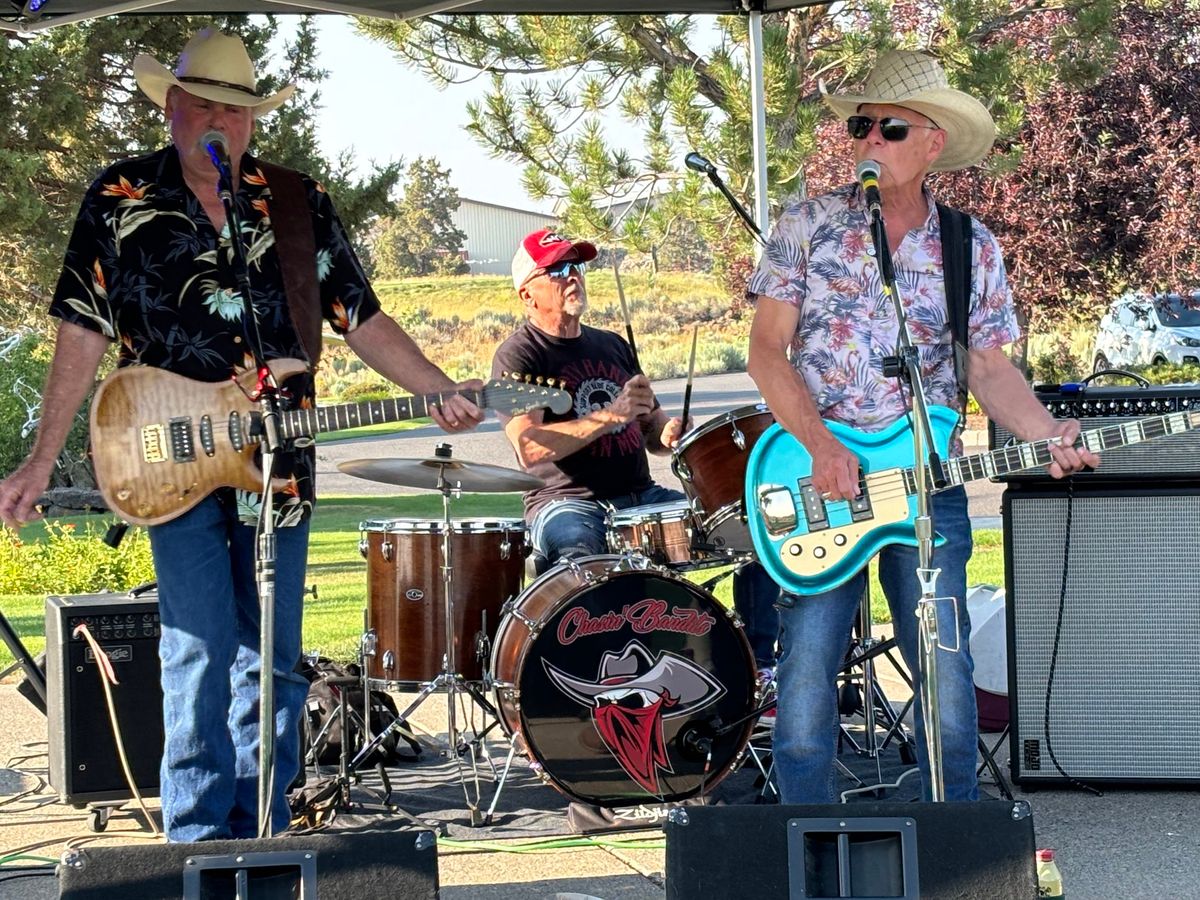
{"points": [[146, 267]]}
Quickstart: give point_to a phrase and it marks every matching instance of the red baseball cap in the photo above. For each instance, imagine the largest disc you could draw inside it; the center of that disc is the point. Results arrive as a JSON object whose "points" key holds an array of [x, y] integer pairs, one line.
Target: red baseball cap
{"points": [[545, 248]]}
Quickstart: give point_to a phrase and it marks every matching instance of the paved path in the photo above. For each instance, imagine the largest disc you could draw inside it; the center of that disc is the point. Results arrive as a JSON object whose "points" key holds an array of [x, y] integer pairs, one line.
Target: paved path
{"points": [[712, 396]]}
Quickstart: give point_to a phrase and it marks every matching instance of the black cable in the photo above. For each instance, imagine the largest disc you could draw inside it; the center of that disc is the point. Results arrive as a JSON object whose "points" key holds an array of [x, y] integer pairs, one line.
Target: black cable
{"points": [[1062, 603]]}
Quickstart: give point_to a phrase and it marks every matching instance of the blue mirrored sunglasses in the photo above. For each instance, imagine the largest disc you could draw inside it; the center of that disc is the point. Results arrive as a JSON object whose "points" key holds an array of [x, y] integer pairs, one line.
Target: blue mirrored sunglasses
{"points": [[563, 270]]}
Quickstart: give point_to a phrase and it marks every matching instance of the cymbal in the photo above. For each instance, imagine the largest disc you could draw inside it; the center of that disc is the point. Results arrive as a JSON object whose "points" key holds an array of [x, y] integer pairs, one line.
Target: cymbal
{"points": [[424, 473]]}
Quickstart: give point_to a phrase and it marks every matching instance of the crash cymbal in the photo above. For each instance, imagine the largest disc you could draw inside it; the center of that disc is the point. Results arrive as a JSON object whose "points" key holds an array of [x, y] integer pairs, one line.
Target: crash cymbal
{"points": [[425, 473]]}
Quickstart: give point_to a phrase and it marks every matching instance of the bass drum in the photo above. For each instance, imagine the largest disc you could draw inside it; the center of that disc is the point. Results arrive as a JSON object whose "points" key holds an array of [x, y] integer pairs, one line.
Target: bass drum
{"points": [[613, 677]]}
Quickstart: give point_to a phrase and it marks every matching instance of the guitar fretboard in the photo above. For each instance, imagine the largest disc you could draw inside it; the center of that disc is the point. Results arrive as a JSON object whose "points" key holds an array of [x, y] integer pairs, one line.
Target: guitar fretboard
{"points": [[1037, 453], [307, 422]]}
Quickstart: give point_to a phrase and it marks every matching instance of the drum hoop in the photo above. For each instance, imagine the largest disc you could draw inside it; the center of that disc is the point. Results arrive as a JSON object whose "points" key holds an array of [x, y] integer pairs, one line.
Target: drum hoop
{"points": [[742, 412], [414, 525], [618, 560], [674, 511]]}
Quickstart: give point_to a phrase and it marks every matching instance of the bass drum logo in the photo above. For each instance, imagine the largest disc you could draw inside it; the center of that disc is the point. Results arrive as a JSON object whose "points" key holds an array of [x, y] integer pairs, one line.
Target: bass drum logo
{"points": [[631, 696]]}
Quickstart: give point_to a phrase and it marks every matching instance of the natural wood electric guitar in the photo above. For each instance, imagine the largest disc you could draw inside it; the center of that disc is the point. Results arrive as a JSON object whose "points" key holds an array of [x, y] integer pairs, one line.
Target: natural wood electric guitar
{"points": [[161, 442]]}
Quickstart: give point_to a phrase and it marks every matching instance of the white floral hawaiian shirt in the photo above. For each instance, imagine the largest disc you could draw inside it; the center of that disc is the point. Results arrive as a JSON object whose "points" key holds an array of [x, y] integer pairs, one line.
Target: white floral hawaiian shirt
{"points": [[820, 259]]}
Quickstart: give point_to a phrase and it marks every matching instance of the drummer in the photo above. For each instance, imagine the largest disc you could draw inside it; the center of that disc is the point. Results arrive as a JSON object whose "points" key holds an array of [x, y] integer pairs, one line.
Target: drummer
{"points": [[593, 457]]}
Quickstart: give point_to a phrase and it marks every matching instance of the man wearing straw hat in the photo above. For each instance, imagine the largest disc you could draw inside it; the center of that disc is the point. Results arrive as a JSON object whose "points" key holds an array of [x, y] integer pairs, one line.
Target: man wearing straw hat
{"points": [[149, 265], [822, 325]]}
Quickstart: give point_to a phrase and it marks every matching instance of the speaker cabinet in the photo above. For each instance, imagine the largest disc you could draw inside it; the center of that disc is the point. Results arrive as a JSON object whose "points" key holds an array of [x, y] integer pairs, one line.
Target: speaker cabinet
{"points": [[1124, 705], [84, 764], [399, 864], [935, 851]]}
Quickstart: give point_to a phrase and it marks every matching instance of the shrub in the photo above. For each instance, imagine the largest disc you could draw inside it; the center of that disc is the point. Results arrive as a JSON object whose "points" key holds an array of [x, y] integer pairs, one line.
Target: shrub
{"points": [[369, 388], [24, 362], [68, 559]]}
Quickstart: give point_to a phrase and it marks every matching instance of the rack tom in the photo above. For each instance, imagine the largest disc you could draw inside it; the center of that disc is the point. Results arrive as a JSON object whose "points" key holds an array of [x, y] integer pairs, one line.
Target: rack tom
{"points": [[407, 599], [711, 462]]}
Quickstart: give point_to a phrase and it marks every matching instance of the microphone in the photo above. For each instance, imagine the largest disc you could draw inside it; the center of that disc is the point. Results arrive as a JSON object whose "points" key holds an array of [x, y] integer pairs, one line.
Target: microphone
{"points": [[216, 145], [868, 176], [698, 163]]}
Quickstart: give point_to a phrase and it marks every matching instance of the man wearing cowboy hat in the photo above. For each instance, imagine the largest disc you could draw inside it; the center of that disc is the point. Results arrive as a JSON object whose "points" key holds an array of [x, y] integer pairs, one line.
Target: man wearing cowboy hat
{"points": [[149, 265], [820, 301]]}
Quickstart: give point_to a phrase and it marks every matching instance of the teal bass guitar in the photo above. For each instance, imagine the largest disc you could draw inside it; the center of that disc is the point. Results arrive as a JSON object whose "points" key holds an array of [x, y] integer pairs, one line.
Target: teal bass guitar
{"points": [[810, 545]]}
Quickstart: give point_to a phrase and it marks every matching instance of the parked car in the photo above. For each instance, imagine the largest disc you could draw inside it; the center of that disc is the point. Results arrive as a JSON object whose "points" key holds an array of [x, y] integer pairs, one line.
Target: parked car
{"points": [[1140, 330]]}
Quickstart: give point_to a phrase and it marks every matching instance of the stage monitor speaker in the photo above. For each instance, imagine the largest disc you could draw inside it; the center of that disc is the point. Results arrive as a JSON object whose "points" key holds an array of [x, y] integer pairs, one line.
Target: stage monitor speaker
{"points": [[400, 864], [1125, 699], [84, 764], [935, 851]]}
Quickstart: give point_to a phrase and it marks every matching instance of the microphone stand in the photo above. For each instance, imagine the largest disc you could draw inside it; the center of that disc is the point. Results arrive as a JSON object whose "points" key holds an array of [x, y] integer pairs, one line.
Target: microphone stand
{"points": [[928, 476], [746, 218], [266, 395]]}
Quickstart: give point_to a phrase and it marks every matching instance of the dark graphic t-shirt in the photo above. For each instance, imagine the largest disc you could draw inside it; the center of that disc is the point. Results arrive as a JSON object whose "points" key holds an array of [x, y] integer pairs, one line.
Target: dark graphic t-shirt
{"points": [[593, 368]]}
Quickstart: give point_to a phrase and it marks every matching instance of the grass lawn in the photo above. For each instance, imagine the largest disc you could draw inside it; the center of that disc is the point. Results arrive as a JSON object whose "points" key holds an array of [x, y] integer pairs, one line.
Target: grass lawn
{"points": [[334, 620]]}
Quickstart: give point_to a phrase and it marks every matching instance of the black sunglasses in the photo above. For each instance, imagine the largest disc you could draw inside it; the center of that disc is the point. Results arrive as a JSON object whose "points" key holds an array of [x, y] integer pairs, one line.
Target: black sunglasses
{"points": [[892, 128]]}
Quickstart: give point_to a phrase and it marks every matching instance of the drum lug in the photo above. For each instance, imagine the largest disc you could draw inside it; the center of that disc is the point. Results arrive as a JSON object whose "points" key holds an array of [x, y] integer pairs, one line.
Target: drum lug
{"points": [[739, 436], [385, 549], [363, 547], [683, 470], [506, 548], [579, 572]]}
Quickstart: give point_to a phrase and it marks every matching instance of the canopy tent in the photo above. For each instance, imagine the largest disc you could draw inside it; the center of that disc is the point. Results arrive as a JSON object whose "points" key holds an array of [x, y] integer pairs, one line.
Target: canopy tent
{"points": [[35, 15], [30, 15]]}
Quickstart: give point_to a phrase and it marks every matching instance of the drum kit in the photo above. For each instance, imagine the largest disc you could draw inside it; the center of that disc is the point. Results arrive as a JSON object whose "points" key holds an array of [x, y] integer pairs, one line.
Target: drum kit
{"points": [[620, 679]]}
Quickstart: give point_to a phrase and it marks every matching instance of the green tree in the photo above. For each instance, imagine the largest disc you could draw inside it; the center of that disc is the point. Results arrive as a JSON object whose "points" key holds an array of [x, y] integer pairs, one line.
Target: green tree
{"points": [[687, 87], [420, 237], [69, 107]]}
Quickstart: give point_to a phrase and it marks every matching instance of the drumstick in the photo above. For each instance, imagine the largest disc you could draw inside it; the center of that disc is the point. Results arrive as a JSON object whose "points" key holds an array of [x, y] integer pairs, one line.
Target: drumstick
{"points": [[687, 391], [625, 313]]}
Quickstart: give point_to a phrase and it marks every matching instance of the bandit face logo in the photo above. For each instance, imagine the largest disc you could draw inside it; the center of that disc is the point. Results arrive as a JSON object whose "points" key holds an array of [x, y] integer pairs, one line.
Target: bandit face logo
{"points": [[631, 697]]}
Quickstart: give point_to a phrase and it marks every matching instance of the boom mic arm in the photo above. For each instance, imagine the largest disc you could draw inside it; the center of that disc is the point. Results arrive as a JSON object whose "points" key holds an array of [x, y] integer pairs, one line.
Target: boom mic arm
{"points": [[698, 163]]}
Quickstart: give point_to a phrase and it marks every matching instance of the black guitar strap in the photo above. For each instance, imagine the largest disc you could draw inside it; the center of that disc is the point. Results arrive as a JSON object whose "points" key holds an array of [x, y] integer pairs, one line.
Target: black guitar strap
{"points": [[296, 247], [957, 253]]}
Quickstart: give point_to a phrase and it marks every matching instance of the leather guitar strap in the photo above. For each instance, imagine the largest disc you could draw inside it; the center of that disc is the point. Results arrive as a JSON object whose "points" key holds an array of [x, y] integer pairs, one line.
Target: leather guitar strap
{"points": [[296, 247]]}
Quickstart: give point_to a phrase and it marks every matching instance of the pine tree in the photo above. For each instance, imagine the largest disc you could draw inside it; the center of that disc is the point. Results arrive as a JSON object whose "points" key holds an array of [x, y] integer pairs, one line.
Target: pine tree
{"points": [[69, 107], [420, 237]]}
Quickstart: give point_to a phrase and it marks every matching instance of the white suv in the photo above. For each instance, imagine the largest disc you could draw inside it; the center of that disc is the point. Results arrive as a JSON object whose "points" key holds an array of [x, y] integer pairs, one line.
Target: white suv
{"points": [[1142, 330]]}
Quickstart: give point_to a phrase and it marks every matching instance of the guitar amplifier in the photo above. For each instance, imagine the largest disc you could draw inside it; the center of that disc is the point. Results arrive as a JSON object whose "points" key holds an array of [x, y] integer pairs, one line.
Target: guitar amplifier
{"points": [[1120, 639], [1176, 457], [84, 766]]}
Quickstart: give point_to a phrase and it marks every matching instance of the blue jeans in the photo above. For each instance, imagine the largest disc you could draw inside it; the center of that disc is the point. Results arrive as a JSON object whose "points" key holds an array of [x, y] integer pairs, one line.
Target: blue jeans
{"points": [[208, 603], [815, 638], [566, 529]]}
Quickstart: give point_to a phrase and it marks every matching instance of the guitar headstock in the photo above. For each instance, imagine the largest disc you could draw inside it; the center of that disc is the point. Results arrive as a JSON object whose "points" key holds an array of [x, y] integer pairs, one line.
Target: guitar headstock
{"points": [[521, 393]]}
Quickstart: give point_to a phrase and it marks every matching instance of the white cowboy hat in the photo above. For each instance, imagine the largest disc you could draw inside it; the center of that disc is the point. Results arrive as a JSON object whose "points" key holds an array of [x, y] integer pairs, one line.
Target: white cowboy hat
{"points": [[214, 66], [917, 82]]}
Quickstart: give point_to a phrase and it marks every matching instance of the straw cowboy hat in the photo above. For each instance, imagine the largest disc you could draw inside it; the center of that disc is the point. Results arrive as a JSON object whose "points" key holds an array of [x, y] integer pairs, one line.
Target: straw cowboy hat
{"points": [[213, 66], [917, 82]]}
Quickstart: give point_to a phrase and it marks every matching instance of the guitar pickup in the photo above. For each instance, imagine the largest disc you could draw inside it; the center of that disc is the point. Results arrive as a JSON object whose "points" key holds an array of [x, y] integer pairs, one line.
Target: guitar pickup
{"points": [[207, 441], [183, 447], [814, 507], [778, 510], [860, 506]]}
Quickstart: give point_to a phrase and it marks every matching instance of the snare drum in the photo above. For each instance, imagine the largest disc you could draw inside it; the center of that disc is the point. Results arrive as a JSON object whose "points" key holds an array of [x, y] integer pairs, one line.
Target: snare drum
{"points": [[711, 463], [662, 532], [613, 676], [407, 599]]}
